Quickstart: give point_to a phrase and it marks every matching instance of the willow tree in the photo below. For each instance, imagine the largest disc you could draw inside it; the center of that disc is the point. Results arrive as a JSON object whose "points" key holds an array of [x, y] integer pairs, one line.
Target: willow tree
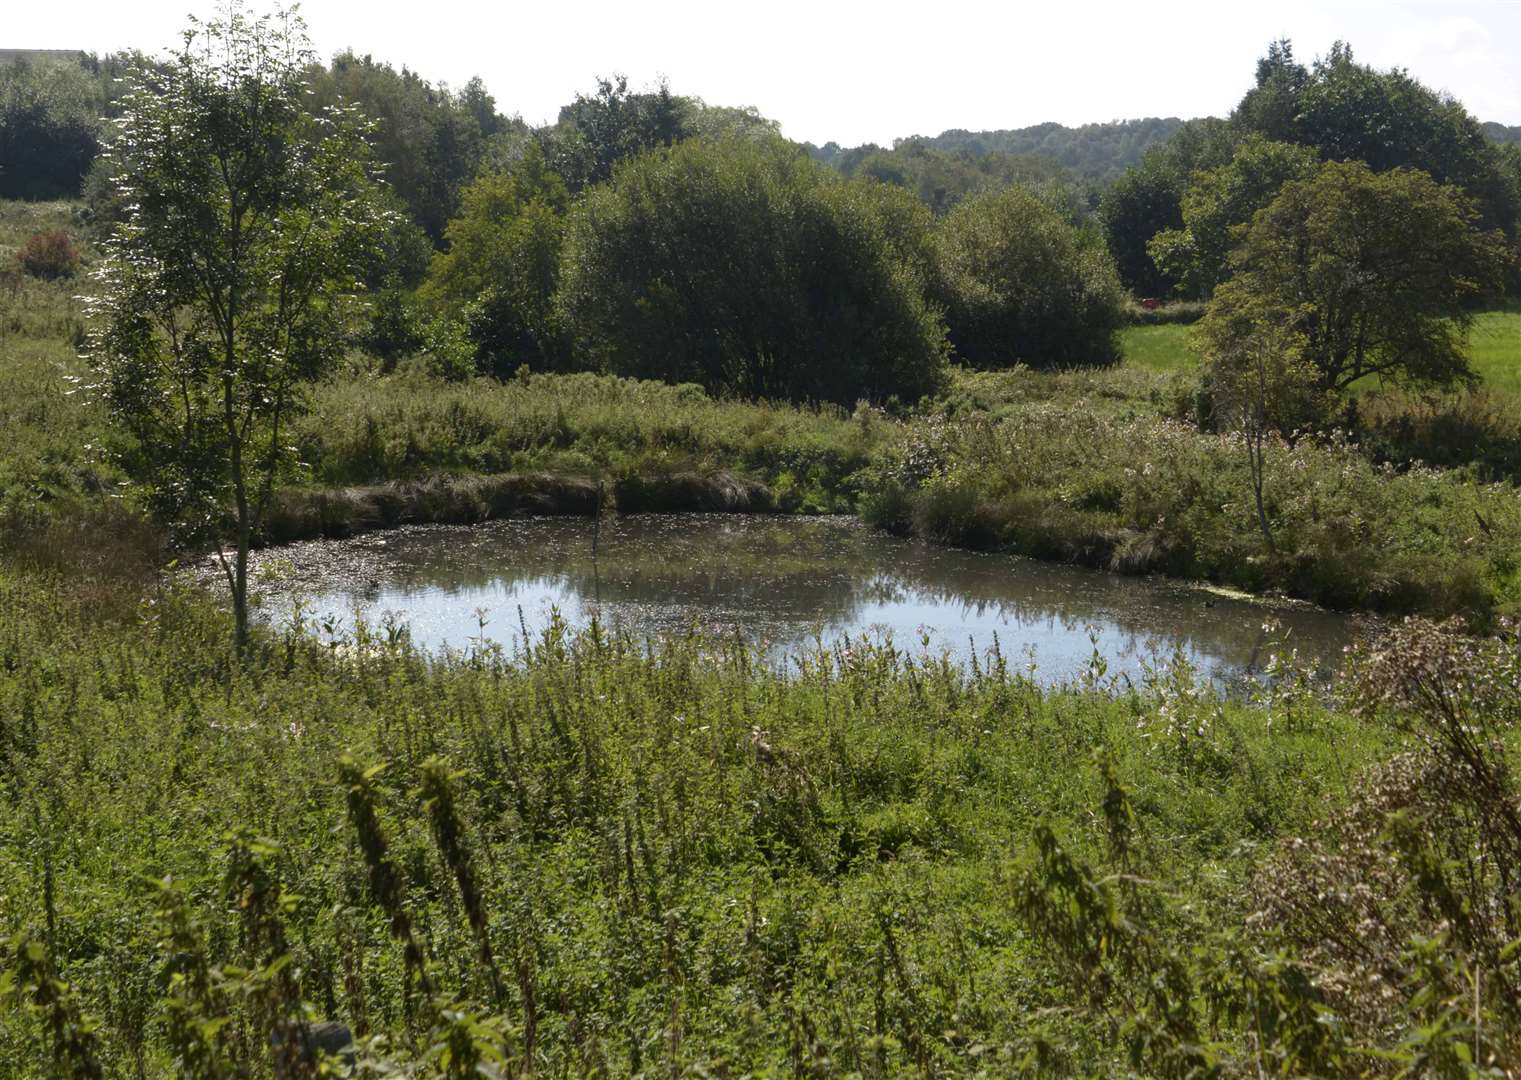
{"points": [[226, 289]]}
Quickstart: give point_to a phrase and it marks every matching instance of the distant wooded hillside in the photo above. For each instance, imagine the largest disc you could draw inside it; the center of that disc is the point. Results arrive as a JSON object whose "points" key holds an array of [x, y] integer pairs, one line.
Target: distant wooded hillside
{"points": [[34, 56], [1501, 134], [1096, 151]]}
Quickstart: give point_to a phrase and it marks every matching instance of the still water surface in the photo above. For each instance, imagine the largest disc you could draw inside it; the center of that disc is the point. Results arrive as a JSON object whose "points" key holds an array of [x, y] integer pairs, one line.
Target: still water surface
{"points": [[786, 582]]}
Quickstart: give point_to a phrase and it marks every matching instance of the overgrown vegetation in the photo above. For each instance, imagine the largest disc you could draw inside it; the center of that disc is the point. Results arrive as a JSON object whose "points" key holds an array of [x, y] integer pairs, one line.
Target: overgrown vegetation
{"points": [[321, 853], [995, 467], [603, 856]]}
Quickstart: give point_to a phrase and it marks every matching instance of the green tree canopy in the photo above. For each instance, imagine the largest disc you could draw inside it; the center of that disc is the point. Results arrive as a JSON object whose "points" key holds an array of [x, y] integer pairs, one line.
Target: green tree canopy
{"points": [[1149, 199], [1217, 204], [750, 270], [1369, 271], [502, 266], [428, 139], [224, 290], [1021, 284], [596, 132], [719, 122], [49, 128], [1349, 111]]}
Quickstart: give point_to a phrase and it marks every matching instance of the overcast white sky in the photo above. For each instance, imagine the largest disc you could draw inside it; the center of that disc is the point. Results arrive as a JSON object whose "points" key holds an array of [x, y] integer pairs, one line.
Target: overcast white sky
{"points": [[866, 71]]}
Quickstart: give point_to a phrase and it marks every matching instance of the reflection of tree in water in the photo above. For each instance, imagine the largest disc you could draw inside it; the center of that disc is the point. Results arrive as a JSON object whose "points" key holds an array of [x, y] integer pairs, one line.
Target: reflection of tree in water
{"points": [[766, 573]]}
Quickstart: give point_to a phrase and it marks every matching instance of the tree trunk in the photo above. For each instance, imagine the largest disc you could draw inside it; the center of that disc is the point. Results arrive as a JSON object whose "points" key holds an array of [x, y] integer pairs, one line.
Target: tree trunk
{"points": [[240, 595], [1254, 451], [1256, 437]]}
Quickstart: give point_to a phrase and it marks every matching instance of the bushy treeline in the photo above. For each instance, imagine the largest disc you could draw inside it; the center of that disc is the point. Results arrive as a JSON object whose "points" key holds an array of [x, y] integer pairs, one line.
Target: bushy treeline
{"points": [[593, 242], [748, 270], [745, 267], [1170, 220], [51, 107]]}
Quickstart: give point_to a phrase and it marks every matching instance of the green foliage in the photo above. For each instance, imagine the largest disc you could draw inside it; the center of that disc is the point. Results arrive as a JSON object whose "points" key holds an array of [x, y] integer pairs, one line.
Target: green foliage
{"points": [[1371, 270], [49, 127], [683, 859], [717, 123], [1270, 108], [1339, 110], [396, 327], [941, 179], [1347, 111], [428, 140], [1022, 285], [1217, 205], [1149, 199], [412, 426], [1097, 151], [59, 447], [503, 266], [224, 290], [1263, 381], [746, 269], [595, 133], [28, 979], [1081, 467]]}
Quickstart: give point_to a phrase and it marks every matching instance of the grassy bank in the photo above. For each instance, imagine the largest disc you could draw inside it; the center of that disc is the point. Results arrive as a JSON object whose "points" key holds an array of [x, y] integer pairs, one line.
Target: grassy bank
{"points": [[363, 430], [620, 859], [1111, 482], [1052, 464]]}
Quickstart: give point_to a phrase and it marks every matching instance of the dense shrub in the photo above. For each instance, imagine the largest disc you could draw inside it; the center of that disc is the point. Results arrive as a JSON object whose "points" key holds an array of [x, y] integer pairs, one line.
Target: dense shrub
{"points": [[1022, 285], [394, 328], [749, 270], [1217, 203], [50, 254], [503, 264], [1479, 428], [49, 128]]}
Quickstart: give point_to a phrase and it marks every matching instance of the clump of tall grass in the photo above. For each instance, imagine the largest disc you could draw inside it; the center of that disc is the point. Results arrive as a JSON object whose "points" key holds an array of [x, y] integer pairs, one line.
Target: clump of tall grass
{"points": [[605, 854], [1140, 493], [1477, 429], [361, 430]]}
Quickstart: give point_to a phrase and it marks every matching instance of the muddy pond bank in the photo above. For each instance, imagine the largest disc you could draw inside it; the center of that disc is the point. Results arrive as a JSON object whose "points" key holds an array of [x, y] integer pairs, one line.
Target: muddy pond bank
{"points": [[340, 513]]}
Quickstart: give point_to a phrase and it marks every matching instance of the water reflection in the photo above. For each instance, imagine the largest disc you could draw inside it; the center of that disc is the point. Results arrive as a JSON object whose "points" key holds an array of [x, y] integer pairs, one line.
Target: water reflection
{"points": [[785, 581]]}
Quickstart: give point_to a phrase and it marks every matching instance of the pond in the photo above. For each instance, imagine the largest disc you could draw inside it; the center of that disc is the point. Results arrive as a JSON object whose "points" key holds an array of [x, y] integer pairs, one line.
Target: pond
{"points": [[784, 583]]}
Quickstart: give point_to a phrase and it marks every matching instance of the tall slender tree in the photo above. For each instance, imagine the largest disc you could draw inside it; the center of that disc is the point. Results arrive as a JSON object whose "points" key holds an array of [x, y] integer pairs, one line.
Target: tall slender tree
{"points": [[226, 288]]}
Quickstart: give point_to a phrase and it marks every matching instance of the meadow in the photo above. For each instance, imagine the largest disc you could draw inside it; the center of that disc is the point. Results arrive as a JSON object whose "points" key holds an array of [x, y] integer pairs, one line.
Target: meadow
{"points": [[1494, 349], [606, 856]]}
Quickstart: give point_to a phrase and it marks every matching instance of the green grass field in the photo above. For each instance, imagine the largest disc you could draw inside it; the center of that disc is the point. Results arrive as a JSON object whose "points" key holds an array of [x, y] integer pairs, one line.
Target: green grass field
{"points": [[1494, 347], [1158, 348]]}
